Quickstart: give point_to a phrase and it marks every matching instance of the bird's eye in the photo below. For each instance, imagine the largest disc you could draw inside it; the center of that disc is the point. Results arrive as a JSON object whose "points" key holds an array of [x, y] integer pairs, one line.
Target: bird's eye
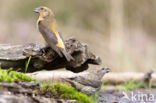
{"points": [[42, 8]]}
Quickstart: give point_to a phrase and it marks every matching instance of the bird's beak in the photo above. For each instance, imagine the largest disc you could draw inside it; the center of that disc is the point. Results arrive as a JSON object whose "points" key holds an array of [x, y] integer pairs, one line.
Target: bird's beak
{"points": [[37, 10]]}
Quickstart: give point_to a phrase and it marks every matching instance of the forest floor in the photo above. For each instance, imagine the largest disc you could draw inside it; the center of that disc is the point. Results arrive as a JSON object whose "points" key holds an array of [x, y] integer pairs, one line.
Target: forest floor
{"points": [[139, 95], [18, 88]]}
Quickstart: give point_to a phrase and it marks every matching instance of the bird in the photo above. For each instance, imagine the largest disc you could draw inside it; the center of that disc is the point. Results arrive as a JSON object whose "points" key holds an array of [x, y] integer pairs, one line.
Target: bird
{"points": [[90, 82], [47, 26], [147, 78]]}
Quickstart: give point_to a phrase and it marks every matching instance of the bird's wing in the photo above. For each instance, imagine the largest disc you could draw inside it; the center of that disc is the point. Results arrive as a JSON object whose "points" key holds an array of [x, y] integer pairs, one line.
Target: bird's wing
{"points": [[61, 37], [86, 82], [49, 37], [92, 83], [65, 53]]}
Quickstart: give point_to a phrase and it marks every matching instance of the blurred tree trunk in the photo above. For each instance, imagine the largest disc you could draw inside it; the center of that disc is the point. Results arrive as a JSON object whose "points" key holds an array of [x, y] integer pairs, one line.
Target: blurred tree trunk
{"points": [[116, 29]]}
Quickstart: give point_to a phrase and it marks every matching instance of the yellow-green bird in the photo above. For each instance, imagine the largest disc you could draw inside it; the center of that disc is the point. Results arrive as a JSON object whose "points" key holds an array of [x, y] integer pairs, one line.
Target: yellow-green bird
{"points": [[48, 28]]}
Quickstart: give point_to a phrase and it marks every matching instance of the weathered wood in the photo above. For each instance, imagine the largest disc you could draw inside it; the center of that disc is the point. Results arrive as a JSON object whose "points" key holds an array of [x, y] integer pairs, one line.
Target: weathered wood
{"points": [[45, 58], [110, 78]]}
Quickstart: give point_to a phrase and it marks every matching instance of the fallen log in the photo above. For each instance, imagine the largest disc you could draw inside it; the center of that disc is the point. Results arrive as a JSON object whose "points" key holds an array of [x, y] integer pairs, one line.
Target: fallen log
{"points": [[43, 57], [110, 78], [118, 78]]}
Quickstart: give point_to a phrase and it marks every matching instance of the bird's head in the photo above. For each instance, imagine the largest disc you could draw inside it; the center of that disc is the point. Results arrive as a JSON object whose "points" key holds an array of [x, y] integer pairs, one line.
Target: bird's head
{"points": [[44, 11]]}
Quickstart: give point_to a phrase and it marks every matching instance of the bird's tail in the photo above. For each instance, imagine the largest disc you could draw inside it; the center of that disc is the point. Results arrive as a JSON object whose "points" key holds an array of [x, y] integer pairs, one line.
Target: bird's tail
{"points": [[67, 55]]}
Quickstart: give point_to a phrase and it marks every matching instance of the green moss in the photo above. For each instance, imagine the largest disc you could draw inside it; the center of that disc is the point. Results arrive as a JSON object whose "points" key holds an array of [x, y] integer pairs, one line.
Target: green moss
{"points": [[11, 76], [127, 86], [66, 92], [130, 85], [95, 98], [58, 91]]}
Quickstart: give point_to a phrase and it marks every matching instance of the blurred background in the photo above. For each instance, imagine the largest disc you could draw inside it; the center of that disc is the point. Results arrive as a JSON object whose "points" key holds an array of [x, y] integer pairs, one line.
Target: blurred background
{"points": [[121, 32]]}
